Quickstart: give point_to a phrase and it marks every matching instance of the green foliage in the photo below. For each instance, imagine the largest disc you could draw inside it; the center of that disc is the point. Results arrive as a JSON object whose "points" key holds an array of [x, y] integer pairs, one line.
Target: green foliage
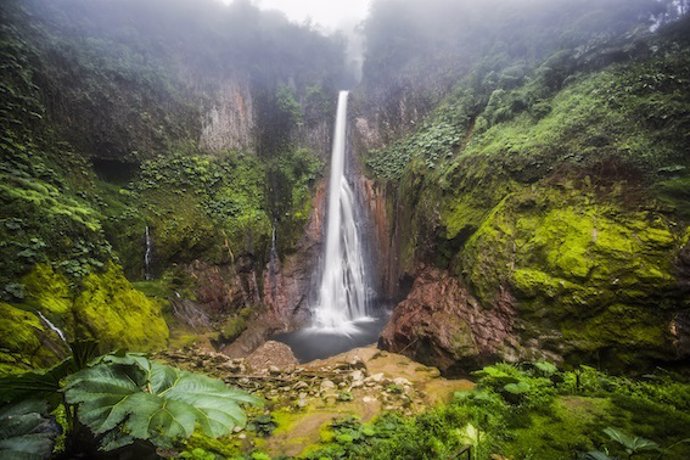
{"points": [[127, 397], [45, 384], [27, 432], [435, 141], [234, 325], [290, 179], [196, 204], [632, 444], [262, 425], [550, 418], [287, 103], [524, 388]]}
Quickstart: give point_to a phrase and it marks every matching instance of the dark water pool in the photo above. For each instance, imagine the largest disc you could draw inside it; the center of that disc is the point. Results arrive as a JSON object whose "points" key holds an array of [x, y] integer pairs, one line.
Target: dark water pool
{"points": [[308, 344]]}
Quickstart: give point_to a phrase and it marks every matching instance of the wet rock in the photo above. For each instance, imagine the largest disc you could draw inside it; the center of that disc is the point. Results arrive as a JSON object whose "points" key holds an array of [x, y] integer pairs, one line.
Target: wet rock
{"points": [[441, 324], [286, 285]]}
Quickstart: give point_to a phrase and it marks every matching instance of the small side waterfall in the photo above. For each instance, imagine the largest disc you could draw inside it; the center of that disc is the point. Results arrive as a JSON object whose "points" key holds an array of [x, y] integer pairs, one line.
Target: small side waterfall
{"points": [[148, 254], [273, 263], [52, 326], [343, 292]]}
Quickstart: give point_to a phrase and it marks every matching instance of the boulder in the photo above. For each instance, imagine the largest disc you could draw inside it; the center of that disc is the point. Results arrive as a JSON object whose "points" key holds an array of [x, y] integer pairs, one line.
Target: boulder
{"points": [[271, 354], [440, 324]]}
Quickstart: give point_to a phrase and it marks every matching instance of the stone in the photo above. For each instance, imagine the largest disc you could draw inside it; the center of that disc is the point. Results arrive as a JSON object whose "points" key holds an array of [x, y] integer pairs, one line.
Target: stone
{"points": [[402, 381], [369, 400], [274, 370], [376, 378], [300, 385], [272, 354], [357, 375], [357, 363], [441, 324], [327, 385]]}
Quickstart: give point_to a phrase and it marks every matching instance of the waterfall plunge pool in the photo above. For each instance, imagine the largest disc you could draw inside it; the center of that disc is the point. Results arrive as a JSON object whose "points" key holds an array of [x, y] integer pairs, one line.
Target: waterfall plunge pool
{"points": [[343, 316], [312, 343]]}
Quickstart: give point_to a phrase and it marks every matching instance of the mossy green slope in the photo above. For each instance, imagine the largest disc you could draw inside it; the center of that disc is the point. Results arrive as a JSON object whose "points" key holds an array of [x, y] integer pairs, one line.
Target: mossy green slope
{"points": [[570, 196]]}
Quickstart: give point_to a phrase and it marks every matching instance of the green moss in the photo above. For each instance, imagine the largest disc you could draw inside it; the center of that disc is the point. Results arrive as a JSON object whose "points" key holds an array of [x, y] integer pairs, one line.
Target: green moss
{"points": [[47, 291], [235, 325], [20, 341], [625, 327], [111, 311], [568, 427], [675, 192], [532, 283], [226, 447], [604, 274], [463, 342]]}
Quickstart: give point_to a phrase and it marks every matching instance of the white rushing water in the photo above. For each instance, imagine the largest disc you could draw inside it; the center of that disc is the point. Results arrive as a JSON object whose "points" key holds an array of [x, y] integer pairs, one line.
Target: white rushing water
{"points": [[147, 254], [53, 327], [343, 293]]}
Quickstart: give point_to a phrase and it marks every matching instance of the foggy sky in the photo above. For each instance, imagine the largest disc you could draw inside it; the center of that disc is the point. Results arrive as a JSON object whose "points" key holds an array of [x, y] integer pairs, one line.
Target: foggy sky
{"points": [[330, 14]]}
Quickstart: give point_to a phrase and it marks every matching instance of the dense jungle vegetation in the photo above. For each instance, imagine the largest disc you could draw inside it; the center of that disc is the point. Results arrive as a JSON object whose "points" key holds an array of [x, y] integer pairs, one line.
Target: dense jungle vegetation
{"points": [[160, 160]]}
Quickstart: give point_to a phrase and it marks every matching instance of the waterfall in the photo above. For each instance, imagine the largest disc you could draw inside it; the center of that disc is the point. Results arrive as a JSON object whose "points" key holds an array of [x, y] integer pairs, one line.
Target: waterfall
{"points": [[343, 293], [273, 264], [147, 254], [52, 326]]}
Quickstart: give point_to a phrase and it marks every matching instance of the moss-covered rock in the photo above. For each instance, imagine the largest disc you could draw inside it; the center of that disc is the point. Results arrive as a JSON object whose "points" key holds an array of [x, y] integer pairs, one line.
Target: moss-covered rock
{"points": [[581, 266], [48, 292], [22, 344], [111, 311]]}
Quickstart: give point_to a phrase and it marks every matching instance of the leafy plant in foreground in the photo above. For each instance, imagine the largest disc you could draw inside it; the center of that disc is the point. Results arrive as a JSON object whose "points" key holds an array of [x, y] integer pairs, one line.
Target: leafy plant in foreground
{"points": [[632, 444], [128, 397], [26, 431], [120, 398]]}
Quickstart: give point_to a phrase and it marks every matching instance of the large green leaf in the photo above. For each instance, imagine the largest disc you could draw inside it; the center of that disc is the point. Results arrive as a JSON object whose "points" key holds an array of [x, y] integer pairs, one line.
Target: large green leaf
{"points": [[26, 432], [128, 397], [631, 444], [214, 404]]}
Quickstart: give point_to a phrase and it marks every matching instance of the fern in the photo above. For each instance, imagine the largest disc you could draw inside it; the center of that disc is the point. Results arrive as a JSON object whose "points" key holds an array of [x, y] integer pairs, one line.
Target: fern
{"points": [[128, 397]]}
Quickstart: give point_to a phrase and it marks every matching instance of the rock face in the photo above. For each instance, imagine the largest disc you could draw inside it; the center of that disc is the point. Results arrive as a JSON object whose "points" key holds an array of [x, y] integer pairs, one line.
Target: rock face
{"points": [[229, 122], [441, 324], [223, 288], [287, 283]]}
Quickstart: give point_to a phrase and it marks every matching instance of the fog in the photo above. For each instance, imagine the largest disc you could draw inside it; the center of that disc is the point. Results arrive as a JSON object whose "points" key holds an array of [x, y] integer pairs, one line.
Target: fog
{"points": [[325, 15]]}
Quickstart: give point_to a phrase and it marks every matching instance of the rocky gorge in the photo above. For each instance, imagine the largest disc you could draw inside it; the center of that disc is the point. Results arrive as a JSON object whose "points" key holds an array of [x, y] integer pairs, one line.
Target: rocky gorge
{"points": [[520, 207]]}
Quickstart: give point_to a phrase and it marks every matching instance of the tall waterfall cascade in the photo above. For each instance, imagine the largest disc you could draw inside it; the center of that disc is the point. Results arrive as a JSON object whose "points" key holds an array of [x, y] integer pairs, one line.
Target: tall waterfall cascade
{"points": [[343, 292]]}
